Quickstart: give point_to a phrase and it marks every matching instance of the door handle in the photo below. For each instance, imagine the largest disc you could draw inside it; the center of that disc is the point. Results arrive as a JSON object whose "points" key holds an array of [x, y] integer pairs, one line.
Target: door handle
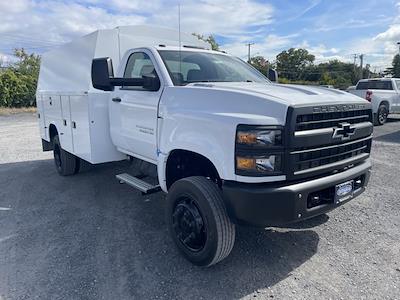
{"points": [[117, 99]]}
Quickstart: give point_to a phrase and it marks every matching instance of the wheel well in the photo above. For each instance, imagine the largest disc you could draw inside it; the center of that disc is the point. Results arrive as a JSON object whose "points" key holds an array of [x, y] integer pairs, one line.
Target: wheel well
{"points": [[386, 103], [183, 163], [52, 132]]}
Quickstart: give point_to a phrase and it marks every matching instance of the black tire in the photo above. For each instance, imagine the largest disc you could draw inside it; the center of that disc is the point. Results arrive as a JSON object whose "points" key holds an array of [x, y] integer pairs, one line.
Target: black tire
{"points": [[198, 221], [381, 115], [66, 163]]}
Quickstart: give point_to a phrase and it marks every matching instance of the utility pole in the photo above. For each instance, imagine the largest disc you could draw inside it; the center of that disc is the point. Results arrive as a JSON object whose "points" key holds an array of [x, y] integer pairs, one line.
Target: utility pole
{"points": [[355, 55], [355, 71], [398, 43], [361, 64], [248, 53]]}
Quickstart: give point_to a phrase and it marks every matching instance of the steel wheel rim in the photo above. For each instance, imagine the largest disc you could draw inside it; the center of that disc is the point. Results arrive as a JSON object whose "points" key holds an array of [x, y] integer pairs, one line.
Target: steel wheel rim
{"points": [[382, 116], [189, 225]]}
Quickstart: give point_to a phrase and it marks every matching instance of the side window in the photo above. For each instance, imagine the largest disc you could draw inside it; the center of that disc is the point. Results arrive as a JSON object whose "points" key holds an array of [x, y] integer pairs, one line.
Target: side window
{"points": [[362, 85], [388, 86], [139, 64], [398, 84]]}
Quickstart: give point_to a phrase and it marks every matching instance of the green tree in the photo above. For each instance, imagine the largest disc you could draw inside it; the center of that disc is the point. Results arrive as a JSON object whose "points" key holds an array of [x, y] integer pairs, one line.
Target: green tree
{"points": [[396, 66], [19, 81], [27, 64], [210, 39], [336, 73], [293, 62], [14, 91], [261, 64]]}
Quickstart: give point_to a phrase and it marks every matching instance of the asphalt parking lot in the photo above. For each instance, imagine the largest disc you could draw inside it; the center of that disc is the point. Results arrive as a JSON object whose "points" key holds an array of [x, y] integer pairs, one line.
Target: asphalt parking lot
{"points": [[88, 237]]}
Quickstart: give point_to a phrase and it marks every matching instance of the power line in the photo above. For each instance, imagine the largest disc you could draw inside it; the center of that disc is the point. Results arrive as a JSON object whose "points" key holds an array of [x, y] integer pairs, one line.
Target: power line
{"points": [[12, 41], [24, 38]]}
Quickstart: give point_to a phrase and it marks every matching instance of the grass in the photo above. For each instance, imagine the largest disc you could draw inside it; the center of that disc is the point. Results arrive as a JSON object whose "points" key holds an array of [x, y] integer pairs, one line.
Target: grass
{"points": [[4, 111]]}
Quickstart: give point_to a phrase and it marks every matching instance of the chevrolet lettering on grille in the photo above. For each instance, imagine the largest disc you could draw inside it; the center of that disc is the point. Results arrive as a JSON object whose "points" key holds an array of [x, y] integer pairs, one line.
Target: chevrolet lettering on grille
{"points": [[337, 108], [344, 131]]}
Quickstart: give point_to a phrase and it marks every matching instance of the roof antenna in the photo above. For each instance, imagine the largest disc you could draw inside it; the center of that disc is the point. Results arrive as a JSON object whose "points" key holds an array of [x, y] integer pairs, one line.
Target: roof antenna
{"points": [[180, 44]]}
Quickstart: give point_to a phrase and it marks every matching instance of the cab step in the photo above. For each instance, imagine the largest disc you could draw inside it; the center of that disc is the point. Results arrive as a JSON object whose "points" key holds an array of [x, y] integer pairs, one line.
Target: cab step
{"points": [[139, 184]]}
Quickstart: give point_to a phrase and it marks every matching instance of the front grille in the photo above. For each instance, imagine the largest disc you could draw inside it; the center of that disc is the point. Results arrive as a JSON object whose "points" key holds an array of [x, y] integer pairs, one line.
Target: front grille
{"points": [[331, 119], [314, 158], [314, 149]]}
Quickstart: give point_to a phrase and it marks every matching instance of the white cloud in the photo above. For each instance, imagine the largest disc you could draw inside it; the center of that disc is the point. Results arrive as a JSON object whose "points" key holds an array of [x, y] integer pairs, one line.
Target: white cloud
{"points": [[227, 18], [383, 46], [268, 47], [322, 53], [15, 6], [38, 25], [313, 4], [392, 34], [134, 5]]}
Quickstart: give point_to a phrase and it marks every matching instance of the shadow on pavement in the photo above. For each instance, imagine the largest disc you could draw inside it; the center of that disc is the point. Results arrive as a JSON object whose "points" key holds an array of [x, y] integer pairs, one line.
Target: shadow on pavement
{"points": [[309, 223], [393, 118], [87, 236], [393, 137]]}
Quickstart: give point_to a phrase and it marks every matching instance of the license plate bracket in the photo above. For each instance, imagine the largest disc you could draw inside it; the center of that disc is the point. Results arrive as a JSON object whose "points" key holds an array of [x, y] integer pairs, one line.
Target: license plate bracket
{"points": [[344, 191]]}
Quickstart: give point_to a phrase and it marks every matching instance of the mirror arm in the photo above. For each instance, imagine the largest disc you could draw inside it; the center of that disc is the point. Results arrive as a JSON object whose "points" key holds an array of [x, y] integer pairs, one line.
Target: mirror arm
{"points": [[126, 81]]}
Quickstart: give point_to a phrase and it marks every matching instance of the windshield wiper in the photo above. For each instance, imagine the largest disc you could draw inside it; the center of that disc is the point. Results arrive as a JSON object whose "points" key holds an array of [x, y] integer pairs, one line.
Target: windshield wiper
{"points": [[193, 81]]}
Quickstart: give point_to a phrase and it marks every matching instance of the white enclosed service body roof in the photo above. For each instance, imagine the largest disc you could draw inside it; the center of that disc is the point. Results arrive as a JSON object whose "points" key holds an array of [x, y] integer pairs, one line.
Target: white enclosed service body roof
{"points": [[68, 68]]}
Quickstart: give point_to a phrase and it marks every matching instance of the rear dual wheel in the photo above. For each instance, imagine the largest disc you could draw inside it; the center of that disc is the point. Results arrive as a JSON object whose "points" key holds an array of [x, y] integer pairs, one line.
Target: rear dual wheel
{"points": [[66, 163], [198, 221]]}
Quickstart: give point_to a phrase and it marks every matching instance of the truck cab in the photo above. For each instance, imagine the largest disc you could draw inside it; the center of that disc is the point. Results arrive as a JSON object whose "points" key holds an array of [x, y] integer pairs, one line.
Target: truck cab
{"points": [[227, 146]]}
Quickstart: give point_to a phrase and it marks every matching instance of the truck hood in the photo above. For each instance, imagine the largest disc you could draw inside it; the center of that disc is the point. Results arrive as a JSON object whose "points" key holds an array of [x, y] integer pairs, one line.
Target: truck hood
{"points": [[287, 94]]}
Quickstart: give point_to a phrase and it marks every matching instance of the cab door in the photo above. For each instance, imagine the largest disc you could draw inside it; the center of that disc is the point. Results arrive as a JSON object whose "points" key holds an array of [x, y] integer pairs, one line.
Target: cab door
{"points": [[134, 110]]}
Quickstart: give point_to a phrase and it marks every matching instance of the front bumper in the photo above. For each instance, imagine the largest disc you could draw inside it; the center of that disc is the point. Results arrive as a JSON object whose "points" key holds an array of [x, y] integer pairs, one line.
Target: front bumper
{"points": [[264, 205]]}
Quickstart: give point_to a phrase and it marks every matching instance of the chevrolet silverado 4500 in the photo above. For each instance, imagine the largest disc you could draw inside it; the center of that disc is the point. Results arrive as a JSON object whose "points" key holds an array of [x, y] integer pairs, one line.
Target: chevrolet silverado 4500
{"points": [[227, 146]]}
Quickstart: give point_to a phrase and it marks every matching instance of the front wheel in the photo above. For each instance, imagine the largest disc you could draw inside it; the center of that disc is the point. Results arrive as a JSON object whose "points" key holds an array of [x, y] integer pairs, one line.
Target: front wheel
{"points": [[198, 221], [382, 114], [66, 163]]}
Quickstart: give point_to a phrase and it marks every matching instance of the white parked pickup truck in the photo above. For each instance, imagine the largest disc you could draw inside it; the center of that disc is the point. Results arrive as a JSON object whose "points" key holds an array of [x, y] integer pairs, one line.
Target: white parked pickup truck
{"points": [[226, 145], [384, 95]]}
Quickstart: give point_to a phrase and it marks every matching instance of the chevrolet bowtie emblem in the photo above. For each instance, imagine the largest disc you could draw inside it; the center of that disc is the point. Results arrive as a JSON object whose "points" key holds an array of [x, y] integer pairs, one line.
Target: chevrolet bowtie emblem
{"points": [[344, 131]]}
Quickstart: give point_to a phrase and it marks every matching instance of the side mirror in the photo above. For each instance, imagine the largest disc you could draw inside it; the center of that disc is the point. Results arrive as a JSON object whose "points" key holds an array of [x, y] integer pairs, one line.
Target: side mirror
{"points": [[151, 82], [103, 77], [273, 75], [102, 73]]}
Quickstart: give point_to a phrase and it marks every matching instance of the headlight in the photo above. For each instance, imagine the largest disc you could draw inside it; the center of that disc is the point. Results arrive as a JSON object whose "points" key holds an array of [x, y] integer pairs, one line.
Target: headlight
{"points": [[267, 164], [259, 150], [258, 137]]}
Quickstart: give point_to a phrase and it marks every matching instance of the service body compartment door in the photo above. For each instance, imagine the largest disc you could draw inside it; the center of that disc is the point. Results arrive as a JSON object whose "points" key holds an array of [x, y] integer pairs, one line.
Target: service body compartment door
{"points": [[66, 126], [80, 126], [52, 109], [41, 117]]}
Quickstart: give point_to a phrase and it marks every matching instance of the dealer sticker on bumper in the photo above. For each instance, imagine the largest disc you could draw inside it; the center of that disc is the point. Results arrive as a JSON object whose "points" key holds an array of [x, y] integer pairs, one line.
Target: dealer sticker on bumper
{"points": [[344, 191]]}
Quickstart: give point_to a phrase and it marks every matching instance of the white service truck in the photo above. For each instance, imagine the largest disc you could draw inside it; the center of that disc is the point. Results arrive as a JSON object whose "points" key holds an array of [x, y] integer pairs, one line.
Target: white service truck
{"points": [[227, 146], [384, 95]]}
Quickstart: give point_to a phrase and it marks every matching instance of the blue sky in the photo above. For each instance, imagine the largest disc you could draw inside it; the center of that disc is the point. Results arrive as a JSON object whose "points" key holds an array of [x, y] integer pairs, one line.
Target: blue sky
{"points": [[328, 29]]}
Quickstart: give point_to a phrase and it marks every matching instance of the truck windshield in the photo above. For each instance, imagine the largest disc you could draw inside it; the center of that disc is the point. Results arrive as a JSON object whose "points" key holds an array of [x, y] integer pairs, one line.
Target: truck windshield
{"points": [[189, 66]]}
